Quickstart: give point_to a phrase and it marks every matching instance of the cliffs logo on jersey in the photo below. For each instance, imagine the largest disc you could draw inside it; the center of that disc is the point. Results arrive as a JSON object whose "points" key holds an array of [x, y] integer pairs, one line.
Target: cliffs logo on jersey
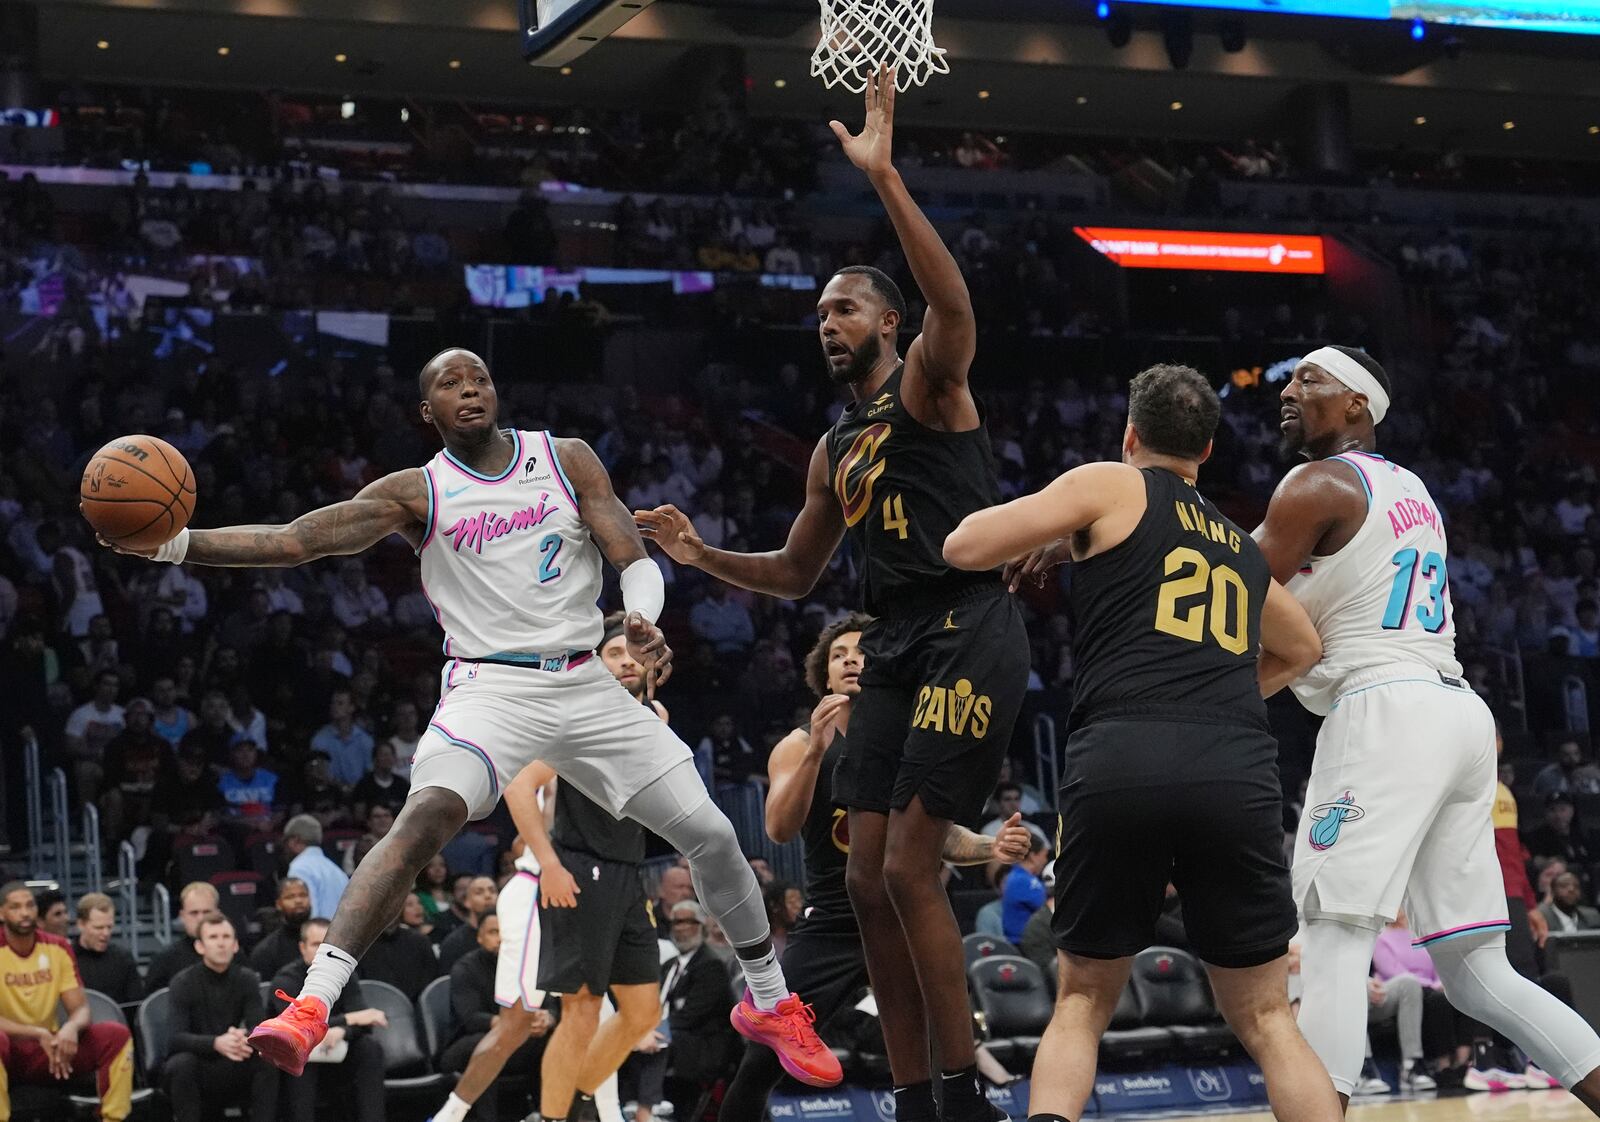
{"points": [[954, 709], [859, 469], [840, 833], [1328, 818], [472, 532]]}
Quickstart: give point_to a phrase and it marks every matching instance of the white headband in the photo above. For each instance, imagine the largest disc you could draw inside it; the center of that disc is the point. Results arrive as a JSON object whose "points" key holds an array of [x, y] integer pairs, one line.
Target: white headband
{"points": [[1353, 375]]}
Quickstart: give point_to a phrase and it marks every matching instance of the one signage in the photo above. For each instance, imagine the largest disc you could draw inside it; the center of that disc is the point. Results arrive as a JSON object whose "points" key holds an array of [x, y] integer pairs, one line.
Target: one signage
{"points": [[1204, 249]]}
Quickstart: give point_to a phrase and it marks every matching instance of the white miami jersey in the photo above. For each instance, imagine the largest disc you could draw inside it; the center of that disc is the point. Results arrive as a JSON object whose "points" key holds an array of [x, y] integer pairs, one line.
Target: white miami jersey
{"points": [[1384, 598], [507, 562]]}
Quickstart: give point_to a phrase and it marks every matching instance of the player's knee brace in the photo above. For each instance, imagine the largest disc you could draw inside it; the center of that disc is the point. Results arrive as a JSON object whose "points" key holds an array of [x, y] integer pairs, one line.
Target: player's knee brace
{"points": [[1480, 982], [1335, 957]]}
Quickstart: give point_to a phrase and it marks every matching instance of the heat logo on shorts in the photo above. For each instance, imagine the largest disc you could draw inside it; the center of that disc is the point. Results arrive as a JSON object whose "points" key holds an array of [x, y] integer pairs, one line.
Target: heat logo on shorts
{"points": [[1328, 818]]}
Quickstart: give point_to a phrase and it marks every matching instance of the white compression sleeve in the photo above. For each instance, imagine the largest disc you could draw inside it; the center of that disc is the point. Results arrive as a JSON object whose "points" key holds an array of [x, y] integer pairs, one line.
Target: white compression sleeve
{"points": [[1335, 958], [1480, 982], [643, 590]]}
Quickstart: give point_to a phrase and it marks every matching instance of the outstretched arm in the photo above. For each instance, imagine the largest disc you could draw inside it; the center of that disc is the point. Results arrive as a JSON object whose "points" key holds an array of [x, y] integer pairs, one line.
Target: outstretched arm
{"points": [[396, 503], [790, 572], [1073, 502], [942, 355]]}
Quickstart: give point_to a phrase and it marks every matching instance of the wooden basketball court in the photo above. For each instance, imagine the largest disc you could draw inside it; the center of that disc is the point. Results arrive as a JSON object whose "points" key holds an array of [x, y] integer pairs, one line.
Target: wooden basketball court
{"points": [[1511, 1106]]}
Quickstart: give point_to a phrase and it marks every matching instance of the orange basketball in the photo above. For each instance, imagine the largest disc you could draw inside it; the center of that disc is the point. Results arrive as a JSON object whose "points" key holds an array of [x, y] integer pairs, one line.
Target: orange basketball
{"points": [[137, 492]]}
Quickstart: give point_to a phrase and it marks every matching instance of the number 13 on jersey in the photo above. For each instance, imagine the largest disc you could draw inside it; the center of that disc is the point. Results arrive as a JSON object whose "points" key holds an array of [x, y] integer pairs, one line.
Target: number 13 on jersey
{"points": [[1430, 609]]}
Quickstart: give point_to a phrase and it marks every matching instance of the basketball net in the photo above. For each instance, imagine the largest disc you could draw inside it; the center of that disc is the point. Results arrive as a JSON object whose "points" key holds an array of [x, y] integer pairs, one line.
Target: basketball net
{"points": [[860, 35]]}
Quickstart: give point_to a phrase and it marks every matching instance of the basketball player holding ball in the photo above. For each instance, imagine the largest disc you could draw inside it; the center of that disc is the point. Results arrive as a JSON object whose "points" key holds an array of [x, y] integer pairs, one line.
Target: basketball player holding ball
{"points": [[509, 527]]}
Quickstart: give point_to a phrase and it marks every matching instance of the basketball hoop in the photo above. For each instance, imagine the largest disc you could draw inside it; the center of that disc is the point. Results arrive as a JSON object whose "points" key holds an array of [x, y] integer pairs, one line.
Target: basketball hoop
{"points": [[858, 36]]}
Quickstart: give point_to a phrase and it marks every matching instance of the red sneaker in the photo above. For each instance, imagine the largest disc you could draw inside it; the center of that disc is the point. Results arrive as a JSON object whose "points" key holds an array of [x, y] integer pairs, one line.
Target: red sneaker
{"points": [[787, 1031], [287, 1039]]}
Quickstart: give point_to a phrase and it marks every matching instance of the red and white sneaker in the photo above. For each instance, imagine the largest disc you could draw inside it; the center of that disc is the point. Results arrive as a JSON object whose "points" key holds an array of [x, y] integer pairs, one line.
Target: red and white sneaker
{"points": [[787, 1030], [287, 1039], [1539, 1079]]}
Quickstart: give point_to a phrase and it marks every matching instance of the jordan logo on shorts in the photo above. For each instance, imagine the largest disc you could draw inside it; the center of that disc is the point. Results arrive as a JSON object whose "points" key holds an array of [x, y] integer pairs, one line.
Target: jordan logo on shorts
{"points": [[1327, 818]]}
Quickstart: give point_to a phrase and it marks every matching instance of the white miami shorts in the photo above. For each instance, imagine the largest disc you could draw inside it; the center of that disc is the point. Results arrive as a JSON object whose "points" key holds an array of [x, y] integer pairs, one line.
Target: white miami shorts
{"points": [[493, 720], [516, 971], [1399, 808]]}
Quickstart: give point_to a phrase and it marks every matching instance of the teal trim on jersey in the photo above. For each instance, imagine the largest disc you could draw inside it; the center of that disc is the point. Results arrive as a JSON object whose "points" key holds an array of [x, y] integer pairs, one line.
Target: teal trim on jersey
{"points": [[1463, 932], [516, 458], [1396, 682], [555, 458], [1365, 485], [494, 776], [532, 659]]}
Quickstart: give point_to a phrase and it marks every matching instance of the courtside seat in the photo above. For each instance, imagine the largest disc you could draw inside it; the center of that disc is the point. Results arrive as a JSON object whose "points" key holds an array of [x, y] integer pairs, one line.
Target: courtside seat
{"points": [[1170, 985], [1011, 993], [1126, 1038], [980, 945], [406, 1069]]}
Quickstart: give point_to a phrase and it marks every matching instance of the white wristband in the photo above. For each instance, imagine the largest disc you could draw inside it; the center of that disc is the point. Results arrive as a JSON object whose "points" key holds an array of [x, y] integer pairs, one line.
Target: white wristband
{"points": [[176, 550], [643, 590]]}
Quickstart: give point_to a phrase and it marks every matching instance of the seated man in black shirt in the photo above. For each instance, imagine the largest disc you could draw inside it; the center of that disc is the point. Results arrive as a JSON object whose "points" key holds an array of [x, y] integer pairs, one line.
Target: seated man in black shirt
{"points": [[213, 1006], [349, 1022], [380, 786], [402, 958], [472, 999], [104, 967], [482, 895], [197, 900], [281, 946]]}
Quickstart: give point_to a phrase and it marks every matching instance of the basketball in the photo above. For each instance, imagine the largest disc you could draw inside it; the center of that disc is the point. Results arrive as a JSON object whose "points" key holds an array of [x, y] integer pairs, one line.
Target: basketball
{"points": [[137, 492]]}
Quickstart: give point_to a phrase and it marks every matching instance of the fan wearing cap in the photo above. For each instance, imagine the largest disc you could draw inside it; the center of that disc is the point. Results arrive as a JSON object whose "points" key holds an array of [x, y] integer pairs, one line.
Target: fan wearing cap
{"points": [[1399, 807]]}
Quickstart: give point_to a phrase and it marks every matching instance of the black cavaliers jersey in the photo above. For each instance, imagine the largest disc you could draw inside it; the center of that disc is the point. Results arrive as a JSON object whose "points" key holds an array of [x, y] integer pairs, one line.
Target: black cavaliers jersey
{"points": [[1172, 614], [584, 825], [826, 834], [902, 488]]}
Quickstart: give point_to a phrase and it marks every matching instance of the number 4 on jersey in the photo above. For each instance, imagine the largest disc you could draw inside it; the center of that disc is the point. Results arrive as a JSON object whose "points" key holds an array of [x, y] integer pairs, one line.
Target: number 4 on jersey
{"points": [[1430, 612], [894, 516]]}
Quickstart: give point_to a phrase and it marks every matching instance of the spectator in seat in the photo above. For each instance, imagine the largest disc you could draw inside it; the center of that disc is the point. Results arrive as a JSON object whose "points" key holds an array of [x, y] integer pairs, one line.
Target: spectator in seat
{"points": [[102, 966], [401, 957], [676, 886], [433, 888], [213, 735], [482, 895], [412, 915], [249, 791], [1395, 994], [171, 721], [723, 622], [1024, 891], [318, 795], [347, 744], [214, 1005], [472, 998], [53, 916], [1038, 942], [90, 727], [280, 946], [1558, 835], [730, 758], [349, 1022], [37, 974], [457, 913], [134, 761], [698, 998], [381, 786], [302, 841], [1008, 797], [1567, 774], [185, 802], [1565, 910], [197, 900]]}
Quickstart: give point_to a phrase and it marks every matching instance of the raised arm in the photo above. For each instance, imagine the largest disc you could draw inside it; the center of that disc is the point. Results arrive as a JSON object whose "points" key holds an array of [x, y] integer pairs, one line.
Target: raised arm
{"points": [[395, 504], [1316, 510], [1074, 502], [794, 766], [1290, 645], [942, 355], [790, 572]]}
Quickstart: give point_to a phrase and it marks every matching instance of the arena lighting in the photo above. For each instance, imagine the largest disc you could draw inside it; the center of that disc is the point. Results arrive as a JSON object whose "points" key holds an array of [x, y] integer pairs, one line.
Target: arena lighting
{"points": [[1206, 250], [1177, 32], [1102, 10], [1419, 30]]}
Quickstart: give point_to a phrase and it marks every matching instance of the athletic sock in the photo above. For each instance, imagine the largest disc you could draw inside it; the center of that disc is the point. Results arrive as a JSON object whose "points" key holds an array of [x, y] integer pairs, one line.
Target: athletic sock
{"points": [[328, 975], [914, 1103], [583, 1108], [454, 1109], [765, 978], [961, 1087], [1048, 1118]]}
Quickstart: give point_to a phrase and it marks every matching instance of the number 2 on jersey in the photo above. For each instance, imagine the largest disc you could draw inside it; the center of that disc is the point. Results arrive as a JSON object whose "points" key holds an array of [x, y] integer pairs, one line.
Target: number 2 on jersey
{"points": [[1231, 630], [1430, 612], [549, 548]]}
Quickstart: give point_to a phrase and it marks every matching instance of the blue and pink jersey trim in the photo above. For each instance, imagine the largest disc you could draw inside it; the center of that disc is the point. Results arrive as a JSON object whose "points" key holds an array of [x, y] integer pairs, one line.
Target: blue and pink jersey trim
{"points": [[1480, 928]]}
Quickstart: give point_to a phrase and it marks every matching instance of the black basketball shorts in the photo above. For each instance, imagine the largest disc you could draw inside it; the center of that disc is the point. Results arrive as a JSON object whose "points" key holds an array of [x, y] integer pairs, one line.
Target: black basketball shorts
{"points": [[940, 692], [1146, 803], [608, 940]]}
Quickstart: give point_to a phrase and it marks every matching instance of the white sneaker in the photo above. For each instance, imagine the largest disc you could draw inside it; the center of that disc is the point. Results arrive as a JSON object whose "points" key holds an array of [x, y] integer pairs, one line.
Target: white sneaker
{"points": [[1415, 1080], [1493, 1079], [1371, 1085], [1538, 1079]]}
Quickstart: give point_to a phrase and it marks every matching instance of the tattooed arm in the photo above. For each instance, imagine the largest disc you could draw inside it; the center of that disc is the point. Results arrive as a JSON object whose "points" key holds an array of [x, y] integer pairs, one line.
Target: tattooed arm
{"points": [[397, 503], [1010, 845], [608, 520]]}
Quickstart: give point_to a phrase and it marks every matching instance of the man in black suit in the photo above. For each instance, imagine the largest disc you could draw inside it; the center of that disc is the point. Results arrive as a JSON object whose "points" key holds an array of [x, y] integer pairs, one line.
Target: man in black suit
{"points": [[697, 995], [349, 1022], [402, 958], [103, 965], [472, 1000], [280, 947]]}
